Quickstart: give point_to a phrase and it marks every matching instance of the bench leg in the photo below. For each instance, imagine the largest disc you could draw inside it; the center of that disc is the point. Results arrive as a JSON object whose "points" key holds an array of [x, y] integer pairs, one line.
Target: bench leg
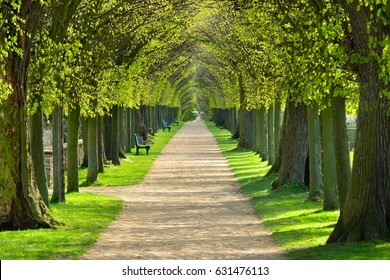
{"points": [[147, 150], [136, 150]]}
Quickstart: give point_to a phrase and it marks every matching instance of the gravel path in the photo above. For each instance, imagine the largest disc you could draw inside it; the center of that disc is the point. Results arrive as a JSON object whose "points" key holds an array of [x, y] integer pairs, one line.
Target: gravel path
{"points": [[189, 206]]}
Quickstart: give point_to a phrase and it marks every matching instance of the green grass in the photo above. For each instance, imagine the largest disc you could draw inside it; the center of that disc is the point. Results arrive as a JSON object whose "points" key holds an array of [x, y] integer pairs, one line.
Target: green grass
{"points": [[85, 216], [133, 169], [301, 227]]}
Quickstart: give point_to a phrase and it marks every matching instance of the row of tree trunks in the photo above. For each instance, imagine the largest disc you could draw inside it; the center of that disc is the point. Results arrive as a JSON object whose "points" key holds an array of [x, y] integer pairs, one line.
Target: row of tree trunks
{"points": [[259, 129]]}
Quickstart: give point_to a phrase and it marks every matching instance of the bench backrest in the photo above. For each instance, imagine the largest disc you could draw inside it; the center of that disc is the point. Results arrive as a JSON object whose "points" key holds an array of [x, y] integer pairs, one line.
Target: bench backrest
{"points": [[164, 123], [138, 139]]}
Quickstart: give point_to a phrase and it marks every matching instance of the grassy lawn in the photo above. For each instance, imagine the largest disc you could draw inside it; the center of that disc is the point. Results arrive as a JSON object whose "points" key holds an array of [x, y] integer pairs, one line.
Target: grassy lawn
{"points": [[85, 215], [299, 226], [133, 169]]}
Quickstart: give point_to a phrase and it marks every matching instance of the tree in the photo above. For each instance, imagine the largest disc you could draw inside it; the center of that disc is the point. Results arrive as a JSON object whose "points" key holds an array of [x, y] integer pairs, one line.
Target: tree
{"points": [[365, 215], [21, 204]]}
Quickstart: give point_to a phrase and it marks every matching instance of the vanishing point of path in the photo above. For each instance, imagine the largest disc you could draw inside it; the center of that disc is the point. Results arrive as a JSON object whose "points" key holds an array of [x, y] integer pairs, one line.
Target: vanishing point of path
{"points": [[189, 206]]}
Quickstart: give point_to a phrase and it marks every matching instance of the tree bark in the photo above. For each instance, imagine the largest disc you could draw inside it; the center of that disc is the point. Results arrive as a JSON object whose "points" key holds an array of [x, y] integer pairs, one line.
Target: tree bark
{"points": [[107, 136], [115, 136], [73, 148], [279, 140], [315, 185], [140, 127], [101, 156], [366, 213], [92, 175], [331, 201], [37, 153], [121, 133], [263, 134], [277, 127], [84, 135], [294, 146], [58, 156], [271, 153], [343, 162]]}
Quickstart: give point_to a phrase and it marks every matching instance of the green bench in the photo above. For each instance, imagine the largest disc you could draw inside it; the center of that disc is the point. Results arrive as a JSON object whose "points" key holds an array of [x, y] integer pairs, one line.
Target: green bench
{"points": [[140, 144], [165, 125]]}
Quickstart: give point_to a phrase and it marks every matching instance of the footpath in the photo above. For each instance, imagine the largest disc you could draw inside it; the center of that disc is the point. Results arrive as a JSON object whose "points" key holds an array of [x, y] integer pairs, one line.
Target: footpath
{"points": [[188, 207]]}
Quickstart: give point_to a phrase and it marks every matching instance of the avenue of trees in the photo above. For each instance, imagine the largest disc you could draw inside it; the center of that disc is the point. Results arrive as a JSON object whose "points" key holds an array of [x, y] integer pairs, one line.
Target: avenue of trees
{"points": [[280, 75]]}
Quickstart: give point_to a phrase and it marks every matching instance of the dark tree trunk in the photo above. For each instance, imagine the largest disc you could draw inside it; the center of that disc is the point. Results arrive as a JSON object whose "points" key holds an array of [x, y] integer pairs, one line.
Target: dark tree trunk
{"points": [[92, 175], [343, 162], [58, 156], [277, 128], [263, 134], [366, 213], [37, 153], [271, 153], [315, 185], [21, 205], [84, 135], [101, 156], [294, 146], [115, 136], [280, 140], [140, 127], [331, 201], [73, 148], [121, 133], [107, 136]]}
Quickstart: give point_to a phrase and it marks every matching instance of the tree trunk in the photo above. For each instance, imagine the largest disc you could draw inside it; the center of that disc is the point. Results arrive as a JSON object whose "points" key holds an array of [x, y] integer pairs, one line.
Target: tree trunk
{"points": [[279, 140], [121, 133], [58, 156], [294, 146], [366, 213], [132, 127], [115, 136], [277, 128], [343, 162], [37, 153], [263, 134], [73, 148], [271, 153], [101, 156], [315, 185], [92, 175], [331, 201], [107, 136], [84, 135], [21, 205], [140, 127]]}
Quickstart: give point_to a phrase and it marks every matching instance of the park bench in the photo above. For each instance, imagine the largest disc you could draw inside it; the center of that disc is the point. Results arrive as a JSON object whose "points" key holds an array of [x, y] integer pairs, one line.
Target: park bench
{"points": [[140, 144], [165, 125], [175, 122]]}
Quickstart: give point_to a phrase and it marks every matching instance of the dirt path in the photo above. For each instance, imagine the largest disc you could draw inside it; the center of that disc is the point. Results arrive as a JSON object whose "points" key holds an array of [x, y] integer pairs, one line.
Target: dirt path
{"points": [[188, 207]]}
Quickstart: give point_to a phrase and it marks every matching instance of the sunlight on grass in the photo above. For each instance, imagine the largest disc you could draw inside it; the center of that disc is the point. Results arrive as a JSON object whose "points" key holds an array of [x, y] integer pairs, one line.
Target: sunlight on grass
{"points": [[300, 226], [85, 215]]}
